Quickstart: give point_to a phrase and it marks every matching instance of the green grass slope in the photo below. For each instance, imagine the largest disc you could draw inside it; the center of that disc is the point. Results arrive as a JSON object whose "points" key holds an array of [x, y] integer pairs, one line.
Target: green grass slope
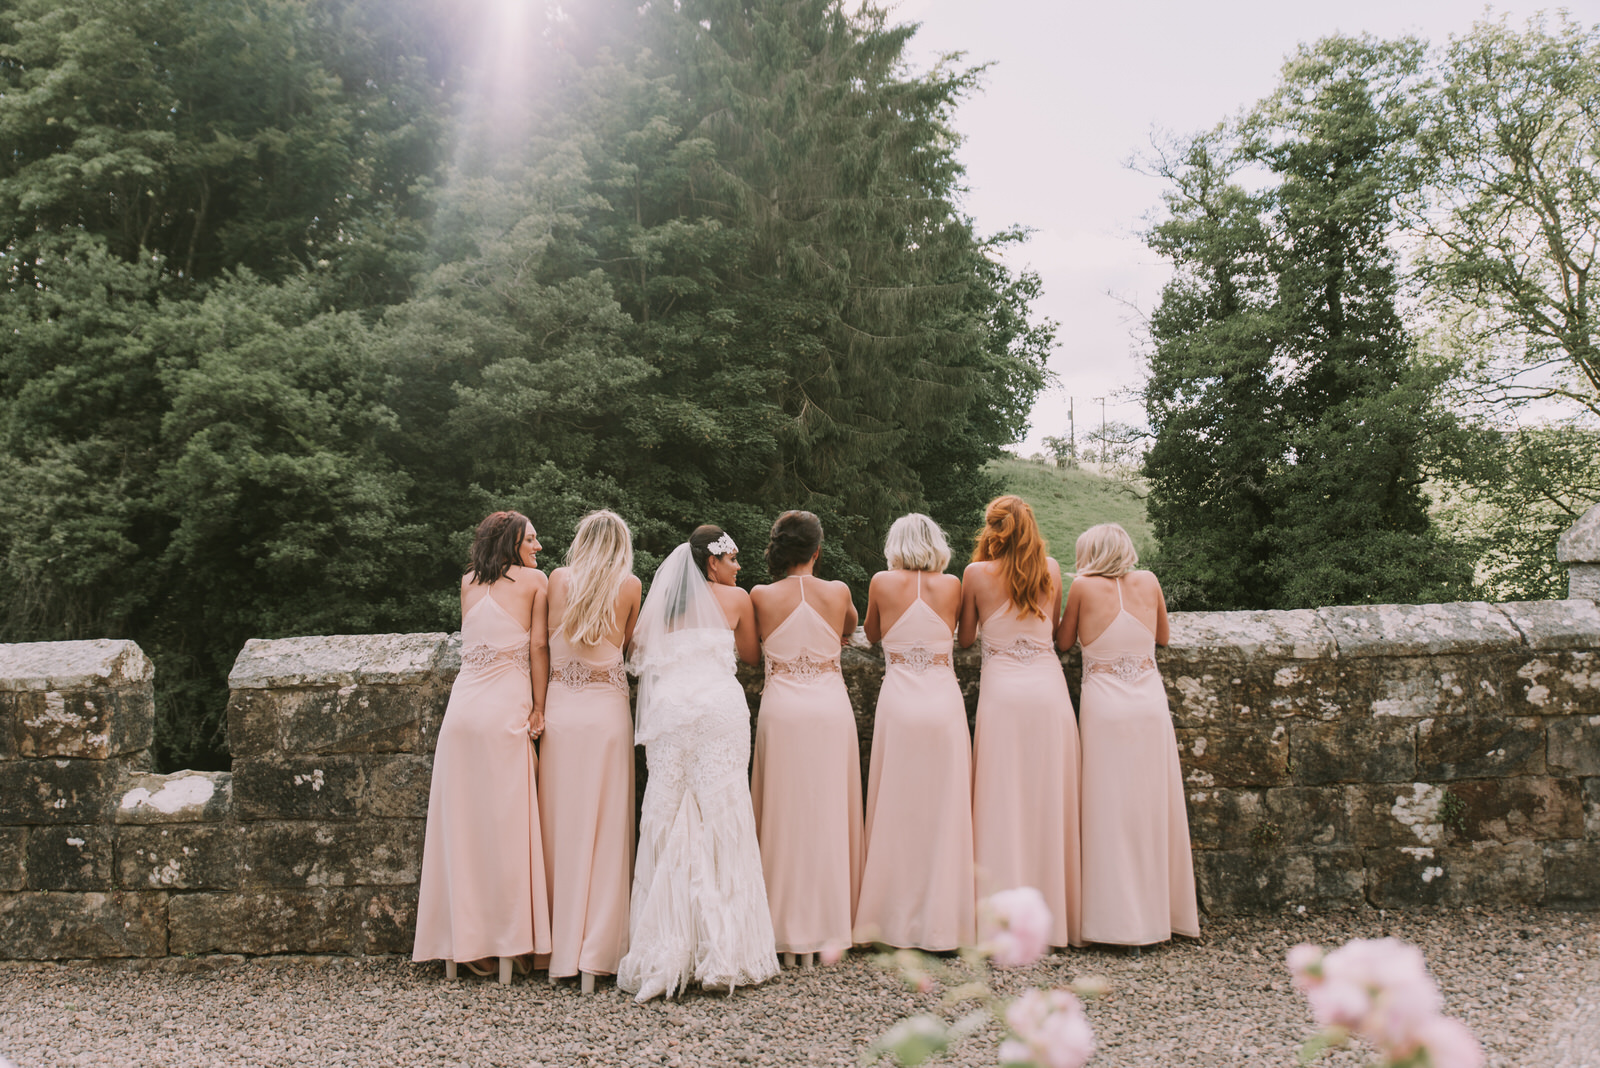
{"points": [[1068, 501]]}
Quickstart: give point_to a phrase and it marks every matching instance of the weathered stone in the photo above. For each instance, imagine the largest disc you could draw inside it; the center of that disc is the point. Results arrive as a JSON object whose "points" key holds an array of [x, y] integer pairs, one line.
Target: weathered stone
{"points": [[369, 853], [1580, 543], [178, 857], [266, 921], [1304, 689], [1553, 683], [297, 788], [1591, 809], [1583, 581], [253, 723], [1292, 635], [46, 926], [13, 858], [1314, 818], [55, 791], [1218, 756], [1353, 751], [1402, 814], [8, 709], [1232, 882], [103, 663], [1420, 629], [1475, 746], [1544, 625], [92, 724], [388, 920], [1419, 687], [337, 660], [355, 718], [1573, 744], [1227, 819], [396, 786], [1201, 693], [69, 858], [1481, 873], [1512, 810], [1572, 875], [182, 797]]}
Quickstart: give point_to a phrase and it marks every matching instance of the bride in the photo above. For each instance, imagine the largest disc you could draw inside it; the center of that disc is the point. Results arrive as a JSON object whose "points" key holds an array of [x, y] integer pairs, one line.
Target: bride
{"points": [[699, 911]]}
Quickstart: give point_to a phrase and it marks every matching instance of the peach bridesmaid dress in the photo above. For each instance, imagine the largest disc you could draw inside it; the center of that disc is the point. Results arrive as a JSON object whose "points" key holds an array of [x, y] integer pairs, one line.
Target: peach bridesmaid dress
{"points": [[482, 891], [917, 889], [1025, 771], [806, 786], [1138, 876], [586, 806]]}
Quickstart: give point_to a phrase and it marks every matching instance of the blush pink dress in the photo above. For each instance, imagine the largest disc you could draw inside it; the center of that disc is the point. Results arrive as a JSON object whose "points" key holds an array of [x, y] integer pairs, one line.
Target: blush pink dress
{"points": [[1138, 876], [1025, 771], [586, 806], [806, 786], [482, 891], [917, 889]]}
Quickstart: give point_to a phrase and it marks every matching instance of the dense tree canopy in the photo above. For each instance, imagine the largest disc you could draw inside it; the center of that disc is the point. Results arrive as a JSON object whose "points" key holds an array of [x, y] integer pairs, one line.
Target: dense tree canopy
{"points": [[294, 291]]}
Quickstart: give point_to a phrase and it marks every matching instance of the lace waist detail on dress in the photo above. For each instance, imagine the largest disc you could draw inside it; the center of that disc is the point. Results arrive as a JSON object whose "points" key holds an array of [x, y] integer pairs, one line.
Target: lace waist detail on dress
{"points": [[916, 658], [1126, 668], [481, 656], [803, 668], [575, 674], [1021, 650]]}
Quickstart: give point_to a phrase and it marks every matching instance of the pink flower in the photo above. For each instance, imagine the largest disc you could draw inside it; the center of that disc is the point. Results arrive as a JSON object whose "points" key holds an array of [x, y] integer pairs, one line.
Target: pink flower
{"points": [[1014, 926], [1450, 1044], [1305, 964], [1051, 1031]]}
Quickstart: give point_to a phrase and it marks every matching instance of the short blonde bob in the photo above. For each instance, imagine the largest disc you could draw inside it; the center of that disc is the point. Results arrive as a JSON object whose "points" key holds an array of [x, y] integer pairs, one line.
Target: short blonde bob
{"points": [[1105, 550], [915, 543]]}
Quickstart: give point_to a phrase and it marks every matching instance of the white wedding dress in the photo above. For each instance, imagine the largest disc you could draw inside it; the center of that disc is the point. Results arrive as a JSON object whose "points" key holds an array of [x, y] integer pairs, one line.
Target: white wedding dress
{"points": [[699, 906]]}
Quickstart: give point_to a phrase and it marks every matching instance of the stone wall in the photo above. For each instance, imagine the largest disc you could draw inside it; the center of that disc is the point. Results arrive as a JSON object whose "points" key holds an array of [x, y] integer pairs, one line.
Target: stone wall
{"points": [[1393, 755]]}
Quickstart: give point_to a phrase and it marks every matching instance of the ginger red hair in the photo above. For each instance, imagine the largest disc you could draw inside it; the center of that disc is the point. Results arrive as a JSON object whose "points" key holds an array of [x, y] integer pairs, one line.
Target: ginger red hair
{"points": [[1011, 538]]}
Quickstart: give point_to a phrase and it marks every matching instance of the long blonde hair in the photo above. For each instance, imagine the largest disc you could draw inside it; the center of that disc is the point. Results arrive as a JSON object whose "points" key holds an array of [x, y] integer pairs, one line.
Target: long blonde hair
{"points": [[599, 559]]}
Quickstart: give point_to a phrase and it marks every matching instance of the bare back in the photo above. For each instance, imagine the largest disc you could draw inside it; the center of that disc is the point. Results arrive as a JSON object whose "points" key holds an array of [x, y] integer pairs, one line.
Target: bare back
{"points": [[984, 592], [1093, 602], [626, 605], [776, 602], [517, 591], [893, 592]]}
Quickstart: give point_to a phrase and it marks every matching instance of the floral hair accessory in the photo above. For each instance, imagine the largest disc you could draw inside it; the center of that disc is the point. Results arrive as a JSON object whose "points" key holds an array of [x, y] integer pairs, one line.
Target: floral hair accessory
{"points": [[722, 546]]}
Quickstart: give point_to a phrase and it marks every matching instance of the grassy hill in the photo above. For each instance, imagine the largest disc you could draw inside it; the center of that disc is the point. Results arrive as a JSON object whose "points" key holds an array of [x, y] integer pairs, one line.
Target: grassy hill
{"points": [[1068, 501]]}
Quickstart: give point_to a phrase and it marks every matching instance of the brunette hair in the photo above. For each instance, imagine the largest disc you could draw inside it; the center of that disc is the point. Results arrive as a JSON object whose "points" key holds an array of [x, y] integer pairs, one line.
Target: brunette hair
{"points": [[1106, 550], [497, 546], [700, 544], [795, 536], [598, 560], [1011, 538]]}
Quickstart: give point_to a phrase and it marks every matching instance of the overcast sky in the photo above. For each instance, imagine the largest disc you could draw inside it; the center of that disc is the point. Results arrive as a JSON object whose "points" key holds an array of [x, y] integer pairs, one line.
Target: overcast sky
{"points": [[1075, 90]]}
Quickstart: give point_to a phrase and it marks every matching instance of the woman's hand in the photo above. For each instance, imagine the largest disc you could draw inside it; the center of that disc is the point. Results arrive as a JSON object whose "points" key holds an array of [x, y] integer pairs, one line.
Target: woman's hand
{"points": [[536, 723]]}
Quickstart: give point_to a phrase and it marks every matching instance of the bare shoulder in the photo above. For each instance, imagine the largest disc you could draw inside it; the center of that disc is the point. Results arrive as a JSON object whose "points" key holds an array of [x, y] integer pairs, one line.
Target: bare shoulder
{"points": [[467, 580], [632, 584], [531, 575], [731, 594], [943, 581], [838, 590]]}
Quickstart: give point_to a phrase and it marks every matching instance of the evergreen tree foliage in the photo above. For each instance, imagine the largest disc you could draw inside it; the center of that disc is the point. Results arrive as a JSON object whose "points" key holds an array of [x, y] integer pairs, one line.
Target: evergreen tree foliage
{"points": [[1290, 419]]}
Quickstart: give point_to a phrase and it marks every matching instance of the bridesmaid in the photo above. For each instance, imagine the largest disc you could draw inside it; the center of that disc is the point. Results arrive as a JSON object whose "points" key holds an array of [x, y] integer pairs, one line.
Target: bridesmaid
{"points": [[917, 889], [1138, 876], [806, 781], [586, 790], [482, 892], [1025, 749]]}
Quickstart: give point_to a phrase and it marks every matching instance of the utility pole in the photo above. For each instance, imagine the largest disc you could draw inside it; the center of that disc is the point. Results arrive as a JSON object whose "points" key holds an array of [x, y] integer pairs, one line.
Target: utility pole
{"points": [[1102, 401], [1072, 435]]}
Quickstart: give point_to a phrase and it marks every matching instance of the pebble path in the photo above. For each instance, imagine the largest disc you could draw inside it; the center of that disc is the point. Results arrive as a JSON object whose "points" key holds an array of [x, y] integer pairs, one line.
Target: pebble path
{"points": [[1526, 981]]}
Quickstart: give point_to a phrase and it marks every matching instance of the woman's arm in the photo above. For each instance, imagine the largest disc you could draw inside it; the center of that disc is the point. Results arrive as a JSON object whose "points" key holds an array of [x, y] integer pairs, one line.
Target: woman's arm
{"points": [[1067, 632], [631, 588], [1163, 636], [1055, 591], [967, 628], [745, 641], [539, 651], [874, 621], [851, 616]]}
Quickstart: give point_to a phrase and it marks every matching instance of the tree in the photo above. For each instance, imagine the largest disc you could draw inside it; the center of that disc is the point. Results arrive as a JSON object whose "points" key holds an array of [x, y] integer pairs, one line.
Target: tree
{"points": [[1303, 377]]}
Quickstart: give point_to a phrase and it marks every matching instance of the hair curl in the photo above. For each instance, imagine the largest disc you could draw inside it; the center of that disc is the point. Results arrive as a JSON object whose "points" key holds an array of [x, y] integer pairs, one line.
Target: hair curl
{"points": [[795, 538], [497, 546], [1011, 538]]}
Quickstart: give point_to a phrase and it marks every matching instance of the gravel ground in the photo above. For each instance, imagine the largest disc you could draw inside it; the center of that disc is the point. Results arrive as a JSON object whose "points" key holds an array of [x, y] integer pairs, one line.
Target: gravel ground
{"points": [[1527, 982]]}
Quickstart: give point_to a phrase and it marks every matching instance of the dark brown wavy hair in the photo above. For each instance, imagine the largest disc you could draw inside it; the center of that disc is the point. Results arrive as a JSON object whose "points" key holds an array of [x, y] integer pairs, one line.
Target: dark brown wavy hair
{"points": [[700, 544], [1011, 538], [497, 546], [795, 536]]}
